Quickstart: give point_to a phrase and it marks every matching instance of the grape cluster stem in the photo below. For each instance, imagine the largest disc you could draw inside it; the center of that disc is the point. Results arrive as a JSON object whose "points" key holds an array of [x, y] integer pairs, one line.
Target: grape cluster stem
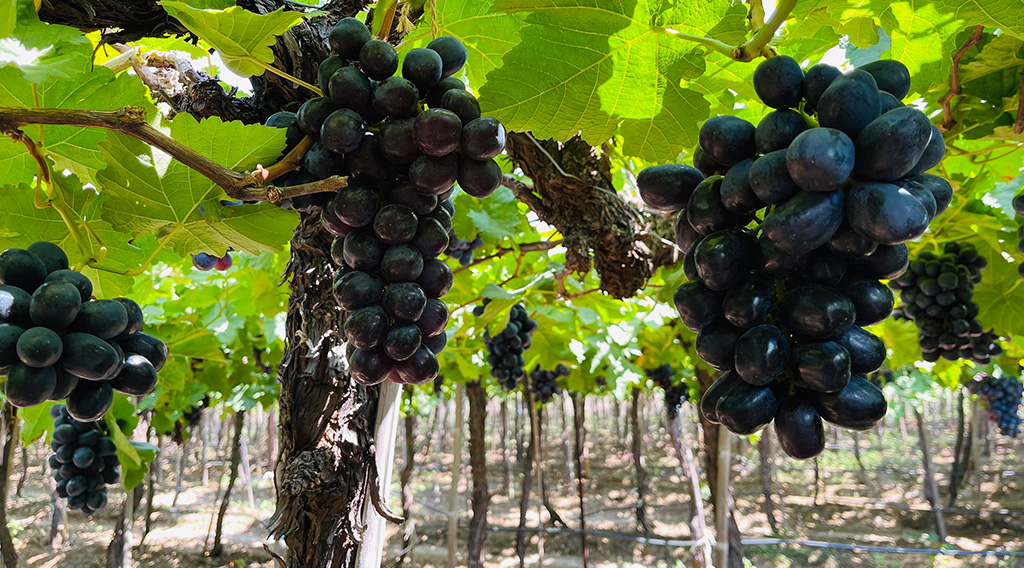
{"points": [[749, 50]]}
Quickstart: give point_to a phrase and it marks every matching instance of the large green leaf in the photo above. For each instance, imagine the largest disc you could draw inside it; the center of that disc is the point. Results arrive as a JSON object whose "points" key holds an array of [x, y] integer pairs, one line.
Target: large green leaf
{"points": [[242, 38], [592, 65], [8, 17], [40, 51], [487, 35], [71, 147], [154, 194], [22, 224], [1007, 15]]}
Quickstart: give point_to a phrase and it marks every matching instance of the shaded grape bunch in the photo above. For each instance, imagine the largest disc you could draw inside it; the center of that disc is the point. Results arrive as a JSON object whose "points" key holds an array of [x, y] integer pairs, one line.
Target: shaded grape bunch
{"points": [[57, 342], [505, 350], [206, 262], [881, 377], [545, 383], [1002, 398], [661, 376], [462, 250], [936, 294], [403, 141], [84, 461], [1018, 208], [675, 393], [788, 229]]}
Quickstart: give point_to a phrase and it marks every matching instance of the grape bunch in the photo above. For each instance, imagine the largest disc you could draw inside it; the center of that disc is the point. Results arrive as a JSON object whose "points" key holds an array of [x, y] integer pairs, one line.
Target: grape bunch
{"points": [[661, 376], [545, 383], [84, 460], [505, 350], [1018, 207], [205, 261], [788, 229], [57, 342], [935, 293], [462, 250], [403, 141], [1002, 398], [675, 393]]}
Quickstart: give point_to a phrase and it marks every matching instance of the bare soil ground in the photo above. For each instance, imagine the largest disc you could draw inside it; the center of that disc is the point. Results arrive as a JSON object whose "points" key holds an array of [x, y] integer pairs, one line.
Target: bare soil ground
{"points": [[883, 505]]}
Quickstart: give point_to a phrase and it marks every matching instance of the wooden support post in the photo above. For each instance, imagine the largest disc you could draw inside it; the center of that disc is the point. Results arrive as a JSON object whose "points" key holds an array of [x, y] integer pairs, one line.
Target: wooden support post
{"points": [[389, 409], [931, 489], [453, 491], [722, 497]]}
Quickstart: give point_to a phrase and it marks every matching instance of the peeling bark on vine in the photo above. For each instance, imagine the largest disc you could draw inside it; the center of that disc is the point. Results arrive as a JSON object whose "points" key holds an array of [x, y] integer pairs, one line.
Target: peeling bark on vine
{"points": [[573, 190]]}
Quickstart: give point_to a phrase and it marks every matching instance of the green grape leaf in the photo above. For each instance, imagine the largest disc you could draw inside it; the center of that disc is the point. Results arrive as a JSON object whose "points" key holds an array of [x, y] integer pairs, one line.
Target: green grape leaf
{"points": [[38, 50], [495, 218], [153, 194], [1007, 15], [71, 147], [242, 38], [605, 64], [16, 164], [863, 31], [8, 17], [1000, 294], [35, 422], [23, 224], [487, 35], [133, 476], [1000, 53]]}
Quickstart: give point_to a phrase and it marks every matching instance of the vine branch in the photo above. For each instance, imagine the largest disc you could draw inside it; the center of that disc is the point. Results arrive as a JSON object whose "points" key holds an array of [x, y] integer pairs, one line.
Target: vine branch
{"points": [[523, 249], [247, 186], [948, 122]]}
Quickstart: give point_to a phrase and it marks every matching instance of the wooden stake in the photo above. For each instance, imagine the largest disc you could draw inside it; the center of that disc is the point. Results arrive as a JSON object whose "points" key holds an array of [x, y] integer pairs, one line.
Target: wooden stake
{"points": [[389, 408], [722, 495], [931, 489], [453, 491]]}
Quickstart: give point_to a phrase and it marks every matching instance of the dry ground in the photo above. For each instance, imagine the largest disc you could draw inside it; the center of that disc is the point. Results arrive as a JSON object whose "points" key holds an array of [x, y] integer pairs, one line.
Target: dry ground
{"points": [[881, 506]]}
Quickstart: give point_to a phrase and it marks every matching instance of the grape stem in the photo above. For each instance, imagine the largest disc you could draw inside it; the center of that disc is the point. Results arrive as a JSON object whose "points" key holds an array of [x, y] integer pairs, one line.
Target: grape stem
{"points": [[948, 122], [56, 200], [523, 249], [288, 77], [1018, 125], [750, 50], [383, 17], [245, 186]]}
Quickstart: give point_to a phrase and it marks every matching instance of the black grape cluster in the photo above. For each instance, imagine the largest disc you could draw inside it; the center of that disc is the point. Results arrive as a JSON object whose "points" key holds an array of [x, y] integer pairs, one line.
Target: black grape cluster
{"points": [[788, 229], [53, 335], [1002, 397], [936, 294], [545, 383], [661, 376], [84, 461], [462, 250], [403, 141], [1018, 207], [675, 393], [205, 261], [505, 350]]}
